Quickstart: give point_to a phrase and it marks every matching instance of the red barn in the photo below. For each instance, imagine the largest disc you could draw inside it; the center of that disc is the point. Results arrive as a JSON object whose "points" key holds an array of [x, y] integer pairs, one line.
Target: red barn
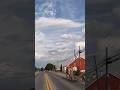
{"points": [[113, 83]]}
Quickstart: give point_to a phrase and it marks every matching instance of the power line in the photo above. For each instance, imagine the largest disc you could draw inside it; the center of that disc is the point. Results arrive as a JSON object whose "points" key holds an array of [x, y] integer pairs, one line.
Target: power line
{"points": [[111, 59], [66, 59]]}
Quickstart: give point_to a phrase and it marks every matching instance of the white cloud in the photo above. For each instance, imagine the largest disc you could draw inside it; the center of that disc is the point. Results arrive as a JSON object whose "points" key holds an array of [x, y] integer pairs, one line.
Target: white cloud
{"points": [[39, 36], [81, 44], [67, 35], [83, 29], [72, 37], [40, 43], [45, 22], [39, 55], [56, 38]]}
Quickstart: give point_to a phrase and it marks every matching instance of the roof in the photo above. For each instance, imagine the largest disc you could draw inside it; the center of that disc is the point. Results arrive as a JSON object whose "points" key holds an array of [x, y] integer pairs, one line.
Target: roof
{"points": [[113, 83], [79, 62]]}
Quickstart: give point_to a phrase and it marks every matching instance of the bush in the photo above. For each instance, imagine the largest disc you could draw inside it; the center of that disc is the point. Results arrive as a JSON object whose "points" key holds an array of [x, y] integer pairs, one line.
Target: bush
{"points": [[76, 73]]}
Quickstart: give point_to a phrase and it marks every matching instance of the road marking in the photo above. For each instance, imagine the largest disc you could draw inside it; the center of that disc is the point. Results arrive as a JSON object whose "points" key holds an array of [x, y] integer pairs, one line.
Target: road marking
{"points": [[48, 82]]}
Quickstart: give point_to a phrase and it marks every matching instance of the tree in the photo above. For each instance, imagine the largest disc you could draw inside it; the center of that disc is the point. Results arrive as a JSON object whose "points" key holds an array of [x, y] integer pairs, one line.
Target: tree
{"points": [[36, 69], [49, 66], [61, 67], [54, 67], [42, 69]]}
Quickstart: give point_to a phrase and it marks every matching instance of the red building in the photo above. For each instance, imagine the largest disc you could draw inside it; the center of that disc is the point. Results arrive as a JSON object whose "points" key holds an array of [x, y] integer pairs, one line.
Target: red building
{"points": [[79, 63], [113, 83]]}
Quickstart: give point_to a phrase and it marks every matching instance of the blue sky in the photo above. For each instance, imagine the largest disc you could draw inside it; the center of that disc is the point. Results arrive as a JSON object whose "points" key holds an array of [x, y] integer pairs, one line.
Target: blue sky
{"points": [[59, 28]]}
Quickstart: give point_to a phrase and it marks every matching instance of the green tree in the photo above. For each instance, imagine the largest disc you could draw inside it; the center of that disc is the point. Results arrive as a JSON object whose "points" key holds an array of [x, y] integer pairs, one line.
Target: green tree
{"points": [[49, 66], [36, 69]]}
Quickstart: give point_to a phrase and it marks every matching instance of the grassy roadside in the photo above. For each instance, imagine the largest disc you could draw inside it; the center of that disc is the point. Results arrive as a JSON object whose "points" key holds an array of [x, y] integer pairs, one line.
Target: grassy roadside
{"points": [[36, 73]]}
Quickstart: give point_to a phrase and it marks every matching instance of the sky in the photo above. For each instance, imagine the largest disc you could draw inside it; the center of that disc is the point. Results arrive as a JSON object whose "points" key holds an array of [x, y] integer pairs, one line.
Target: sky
{"points": [[16, 45], [103, 30], [59, 28]]}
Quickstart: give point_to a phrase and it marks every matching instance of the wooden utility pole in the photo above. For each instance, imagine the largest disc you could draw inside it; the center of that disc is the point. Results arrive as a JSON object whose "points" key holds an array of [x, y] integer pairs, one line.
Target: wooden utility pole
{"points": [[79, 51], [106, 52], [96, 70], [74, 54]]}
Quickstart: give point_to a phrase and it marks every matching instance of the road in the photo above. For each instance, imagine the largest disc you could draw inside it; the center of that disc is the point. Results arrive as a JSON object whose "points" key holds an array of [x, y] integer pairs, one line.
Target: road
{"points": [[55, 81]]}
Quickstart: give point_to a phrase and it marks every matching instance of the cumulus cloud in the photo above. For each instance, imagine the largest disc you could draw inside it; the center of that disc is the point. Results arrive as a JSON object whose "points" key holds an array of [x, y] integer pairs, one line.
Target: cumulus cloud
{"points": [[81, 44], [40, 43], [56, 39], [66, 36], [45, 22]]}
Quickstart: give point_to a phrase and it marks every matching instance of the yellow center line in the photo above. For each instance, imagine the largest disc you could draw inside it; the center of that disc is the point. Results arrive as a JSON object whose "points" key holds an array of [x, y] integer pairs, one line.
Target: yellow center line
{"points": [[48, 82]]}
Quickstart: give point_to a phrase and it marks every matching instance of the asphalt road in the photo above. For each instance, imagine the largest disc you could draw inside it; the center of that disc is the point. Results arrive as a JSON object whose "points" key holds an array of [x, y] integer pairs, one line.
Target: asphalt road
{"points": [[39, 81], [55, 81]]}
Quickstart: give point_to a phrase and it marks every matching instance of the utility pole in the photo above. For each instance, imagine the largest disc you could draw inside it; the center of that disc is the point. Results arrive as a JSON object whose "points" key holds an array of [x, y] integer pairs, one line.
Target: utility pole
{"points": [[79, 51], [96, 70], [61, 68], [106, 68], [74, 54]]}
